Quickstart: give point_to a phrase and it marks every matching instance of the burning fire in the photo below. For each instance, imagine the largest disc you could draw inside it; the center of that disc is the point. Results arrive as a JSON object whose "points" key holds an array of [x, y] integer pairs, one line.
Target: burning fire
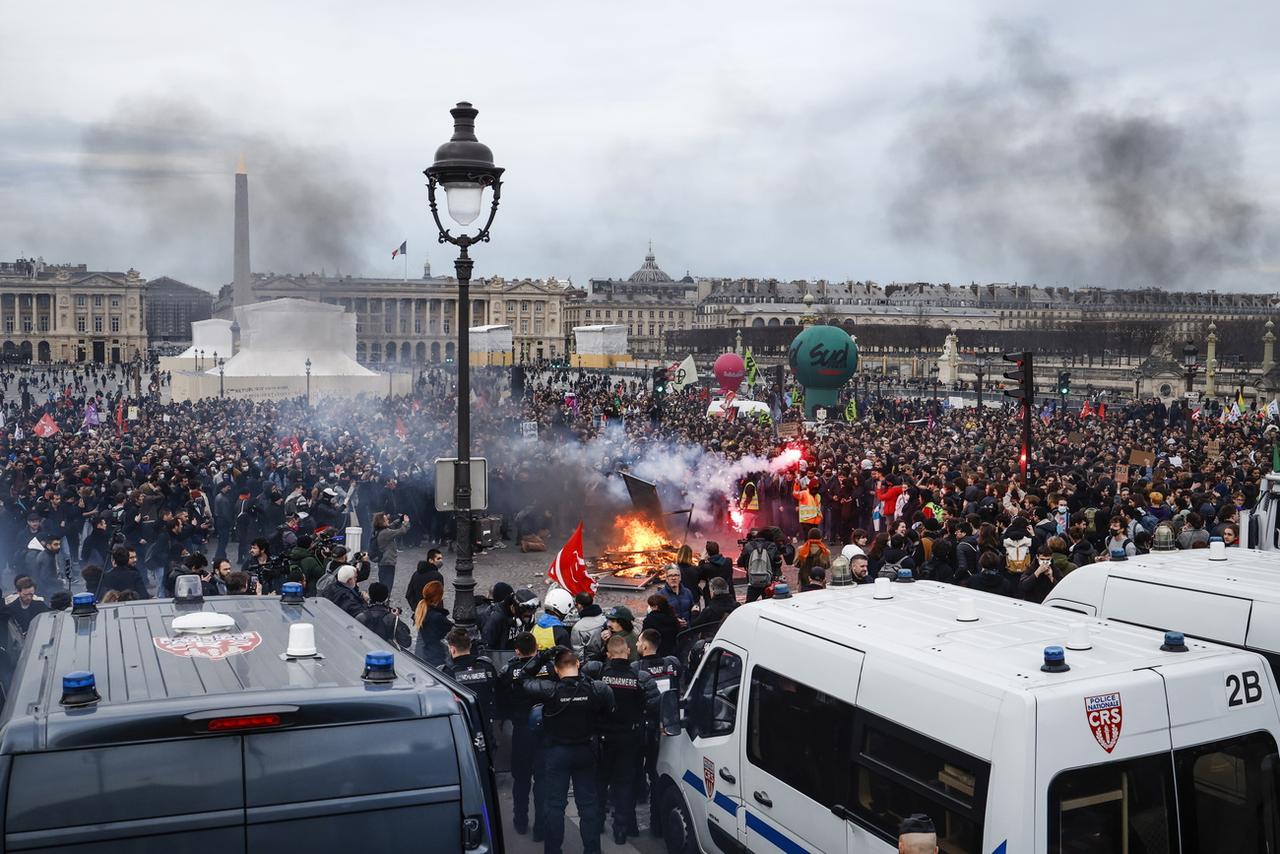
{"points": [[736, 517], [638, 534], [642, 549]]}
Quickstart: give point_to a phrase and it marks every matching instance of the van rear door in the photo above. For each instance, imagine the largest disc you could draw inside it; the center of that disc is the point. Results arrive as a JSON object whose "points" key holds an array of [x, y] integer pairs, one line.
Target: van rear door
{"points": [[1223, 718], [796, 780], [1103, 758], [358, 787]]}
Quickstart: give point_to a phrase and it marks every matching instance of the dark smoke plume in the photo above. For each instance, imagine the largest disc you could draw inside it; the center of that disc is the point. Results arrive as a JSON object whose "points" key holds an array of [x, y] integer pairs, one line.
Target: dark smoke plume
{"points": [[173, 162], [1028, 167]]}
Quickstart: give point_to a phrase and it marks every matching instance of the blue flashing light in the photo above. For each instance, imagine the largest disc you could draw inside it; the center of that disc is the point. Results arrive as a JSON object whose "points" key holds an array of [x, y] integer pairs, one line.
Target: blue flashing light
{"points": [[1055, 660], [1174, 642], [781, 591], [905, 574], [379, 666], [79, 688], [291, 593], [83, 604]]}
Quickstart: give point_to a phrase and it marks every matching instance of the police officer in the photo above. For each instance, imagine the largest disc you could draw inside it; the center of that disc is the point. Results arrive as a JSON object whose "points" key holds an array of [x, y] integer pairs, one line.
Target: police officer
{"points": [[526, 741], [571, 705], [917, 835], [474, 672], [622, 734], [666, 673]]}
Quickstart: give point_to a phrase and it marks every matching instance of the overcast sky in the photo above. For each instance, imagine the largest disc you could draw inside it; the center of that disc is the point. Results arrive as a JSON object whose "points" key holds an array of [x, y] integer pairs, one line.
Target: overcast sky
{"points": [[1119, 144]]}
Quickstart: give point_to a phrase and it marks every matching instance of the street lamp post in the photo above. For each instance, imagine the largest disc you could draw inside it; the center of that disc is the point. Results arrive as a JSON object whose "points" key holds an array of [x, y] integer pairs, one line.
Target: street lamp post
{"points": [[981, 370], [1189, 353], [1137, 383], [222, 375], [307, 364], [464, 167]]}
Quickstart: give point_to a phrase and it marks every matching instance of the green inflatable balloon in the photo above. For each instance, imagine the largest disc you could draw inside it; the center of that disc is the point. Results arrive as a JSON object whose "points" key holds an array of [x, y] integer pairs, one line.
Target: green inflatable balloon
{"points": [[823, 358]]}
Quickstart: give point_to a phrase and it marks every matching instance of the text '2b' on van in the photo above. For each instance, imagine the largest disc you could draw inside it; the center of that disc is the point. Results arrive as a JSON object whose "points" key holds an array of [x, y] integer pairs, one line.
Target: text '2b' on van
{"points": [[225, 726], [819, 721]]}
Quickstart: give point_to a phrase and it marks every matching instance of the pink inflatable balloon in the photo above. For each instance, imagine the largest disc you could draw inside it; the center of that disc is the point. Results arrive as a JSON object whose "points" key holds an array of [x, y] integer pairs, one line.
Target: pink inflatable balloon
{"points": [[730, 370]]}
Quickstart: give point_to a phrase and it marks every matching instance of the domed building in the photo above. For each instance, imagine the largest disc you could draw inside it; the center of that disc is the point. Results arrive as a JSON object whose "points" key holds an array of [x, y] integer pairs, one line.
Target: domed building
{"points": [[648, 302]]}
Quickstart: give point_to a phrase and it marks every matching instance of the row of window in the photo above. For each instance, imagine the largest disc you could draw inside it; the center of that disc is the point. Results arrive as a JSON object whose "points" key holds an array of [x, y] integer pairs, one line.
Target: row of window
{"points": [[1218, 797], [43, 324]]}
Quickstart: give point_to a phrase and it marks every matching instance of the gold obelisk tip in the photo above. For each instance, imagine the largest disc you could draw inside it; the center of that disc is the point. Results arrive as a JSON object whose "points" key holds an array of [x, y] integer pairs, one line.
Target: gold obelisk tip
{"points": [[241, 169]]}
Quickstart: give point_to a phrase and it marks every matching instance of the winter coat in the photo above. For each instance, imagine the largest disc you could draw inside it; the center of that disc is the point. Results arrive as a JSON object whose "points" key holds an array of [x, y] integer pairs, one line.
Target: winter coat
{"points": [[122, 579], [389, 541], [417, 581], [435, 625], [717, 609], [682, 600], [590, 621], [309, 565], [346, 598], [383, 622], [665, 624], [715, 566]]}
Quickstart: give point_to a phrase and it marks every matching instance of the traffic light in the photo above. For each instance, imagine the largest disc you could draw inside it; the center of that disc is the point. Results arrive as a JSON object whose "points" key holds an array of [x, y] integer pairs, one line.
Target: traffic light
{"points": [[659, 381], [1064, 383], [1024, 382]]}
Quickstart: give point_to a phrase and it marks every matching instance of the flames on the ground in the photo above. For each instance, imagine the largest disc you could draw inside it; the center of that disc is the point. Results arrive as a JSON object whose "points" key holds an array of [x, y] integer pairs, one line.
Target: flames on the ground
{"points": [[640, 548]]}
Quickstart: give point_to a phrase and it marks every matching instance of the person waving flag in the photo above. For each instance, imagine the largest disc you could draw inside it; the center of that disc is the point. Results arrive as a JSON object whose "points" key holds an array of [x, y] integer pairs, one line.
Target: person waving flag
{"points": [[569, 569]]}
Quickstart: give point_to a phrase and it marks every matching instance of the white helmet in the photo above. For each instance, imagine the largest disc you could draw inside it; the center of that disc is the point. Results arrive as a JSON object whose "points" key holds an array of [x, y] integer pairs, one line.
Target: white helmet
{"points": [[558, 601]]}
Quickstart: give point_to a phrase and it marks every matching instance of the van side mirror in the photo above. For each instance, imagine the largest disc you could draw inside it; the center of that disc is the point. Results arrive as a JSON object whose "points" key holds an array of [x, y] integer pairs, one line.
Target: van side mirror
{"points": [[673, 720]]}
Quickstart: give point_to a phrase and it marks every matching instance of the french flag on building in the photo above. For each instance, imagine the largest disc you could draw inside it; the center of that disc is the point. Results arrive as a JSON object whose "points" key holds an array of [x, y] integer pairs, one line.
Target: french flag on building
{"points": [[404, 247]]}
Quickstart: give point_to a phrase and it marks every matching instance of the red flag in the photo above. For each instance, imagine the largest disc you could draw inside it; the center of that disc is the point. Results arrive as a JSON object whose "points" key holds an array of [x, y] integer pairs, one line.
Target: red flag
{"points": [[569, 569], [1086, 410], [1102, 410], [295, 445], [46, 427], [402, 432]]}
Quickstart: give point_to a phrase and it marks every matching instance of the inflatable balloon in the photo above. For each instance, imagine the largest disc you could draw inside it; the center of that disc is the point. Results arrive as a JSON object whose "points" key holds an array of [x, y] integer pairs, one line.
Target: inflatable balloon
{"points": [[823, 358], [730, 370]]}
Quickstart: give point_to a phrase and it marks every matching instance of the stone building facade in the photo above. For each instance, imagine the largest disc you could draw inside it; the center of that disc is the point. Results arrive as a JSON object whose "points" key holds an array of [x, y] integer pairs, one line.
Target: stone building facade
{"points": [[733, 303], [415, 321], [69, 313], [648, 302]]}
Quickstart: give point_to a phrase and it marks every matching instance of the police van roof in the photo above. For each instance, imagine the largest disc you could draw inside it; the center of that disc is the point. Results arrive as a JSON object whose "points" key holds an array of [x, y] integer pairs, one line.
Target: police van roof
{"points": [[151, 677], [1003, 648], [1247, 573]]}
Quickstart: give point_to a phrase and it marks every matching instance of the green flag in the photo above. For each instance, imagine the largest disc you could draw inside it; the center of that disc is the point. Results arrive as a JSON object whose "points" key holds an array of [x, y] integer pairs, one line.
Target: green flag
{"points": [[750, 362], [1275, 457], [851, 411], [797, 399]]}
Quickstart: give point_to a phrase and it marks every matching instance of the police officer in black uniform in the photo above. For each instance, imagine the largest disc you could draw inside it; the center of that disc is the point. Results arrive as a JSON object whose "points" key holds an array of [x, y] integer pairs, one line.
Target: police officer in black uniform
{"points": [[666, 673], [475, 672], [622, 734], [571, 706], [526, 741]]}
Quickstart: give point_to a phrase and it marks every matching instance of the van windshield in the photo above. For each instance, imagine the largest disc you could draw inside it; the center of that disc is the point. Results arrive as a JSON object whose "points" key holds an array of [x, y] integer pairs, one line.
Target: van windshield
{"points": [[1225, 801]]}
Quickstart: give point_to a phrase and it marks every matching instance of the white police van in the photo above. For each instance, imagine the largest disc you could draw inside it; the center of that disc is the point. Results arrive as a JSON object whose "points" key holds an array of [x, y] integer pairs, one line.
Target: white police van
{"points": [[1233, 598], [819, 721]]}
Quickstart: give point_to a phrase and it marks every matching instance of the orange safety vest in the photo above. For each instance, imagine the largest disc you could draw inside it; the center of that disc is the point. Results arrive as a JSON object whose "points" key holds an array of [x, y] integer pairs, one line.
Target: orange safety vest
{"points": [[808, 508]]}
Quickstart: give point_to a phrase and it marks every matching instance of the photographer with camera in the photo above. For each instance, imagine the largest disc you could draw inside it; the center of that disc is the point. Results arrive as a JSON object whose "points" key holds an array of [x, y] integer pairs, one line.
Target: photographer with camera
{"points": [[303, 559], [384, 547], [383, 620]]}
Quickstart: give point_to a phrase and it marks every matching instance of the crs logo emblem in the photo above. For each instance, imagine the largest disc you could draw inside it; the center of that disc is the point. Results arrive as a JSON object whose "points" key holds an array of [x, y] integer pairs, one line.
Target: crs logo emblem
{"points": [[215, 646], [709, 776], [1105, 716]]}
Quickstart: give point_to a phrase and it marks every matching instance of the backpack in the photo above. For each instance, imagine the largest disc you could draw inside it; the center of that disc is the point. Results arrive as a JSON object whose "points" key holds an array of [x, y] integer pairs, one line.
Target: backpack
{"points": [[375, 549], [1017, 556], [326, 581], [890, 570], [759, 567]]}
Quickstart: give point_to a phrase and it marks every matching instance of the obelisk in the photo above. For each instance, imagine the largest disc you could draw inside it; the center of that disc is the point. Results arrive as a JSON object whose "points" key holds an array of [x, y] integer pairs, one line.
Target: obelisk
{"points": [[242, 282]]}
